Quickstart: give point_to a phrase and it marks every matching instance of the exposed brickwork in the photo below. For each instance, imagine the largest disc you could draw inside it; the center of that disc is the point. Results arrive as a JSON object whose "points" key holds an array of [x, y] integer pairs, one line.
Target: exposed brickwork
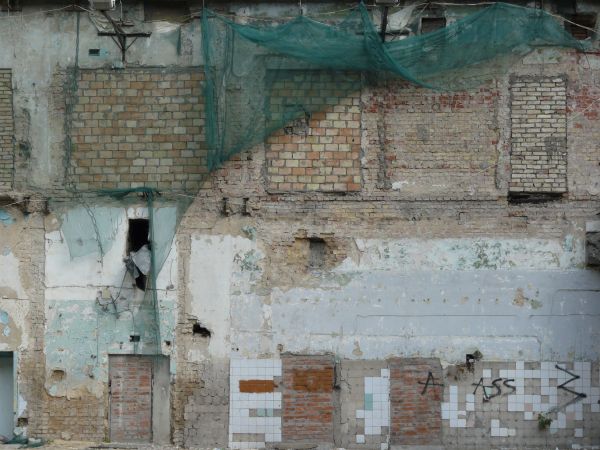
{"points": [[583, 128], [6, 130], [538, 134], [78, 418], [138, 127], [415, 415], [425, 144], [130, 398], [322, 151], [308, 398]]}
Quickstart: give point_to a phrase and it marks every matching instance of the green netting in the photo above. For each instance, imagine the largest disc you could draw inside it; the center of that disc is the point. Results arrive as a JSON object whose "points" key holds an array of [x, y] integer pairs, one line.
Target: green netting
{"points": [[263, 76], [259, 77]]}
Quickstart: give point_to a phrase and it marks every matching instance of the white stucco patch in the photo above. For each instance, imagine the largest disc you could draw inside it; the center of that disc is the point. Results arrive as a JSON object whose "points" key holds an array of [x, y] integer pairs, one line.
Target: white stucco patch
{"points": [[212, 263]]}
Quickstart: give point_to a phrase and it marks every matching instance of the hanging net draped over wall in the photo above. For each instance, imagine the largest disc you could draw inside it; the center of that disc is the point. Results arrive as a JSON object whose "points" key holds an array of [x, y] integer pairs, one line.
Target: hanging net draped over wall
{"points": [[259, 77]]}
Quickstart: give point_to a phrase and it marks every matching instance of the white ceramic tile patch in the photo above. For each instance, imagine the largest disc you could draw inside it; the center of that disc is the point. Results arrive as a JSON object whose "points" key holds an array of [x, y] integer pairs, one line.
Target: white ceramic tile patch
{"points": [[376, 412], [255, 414]]}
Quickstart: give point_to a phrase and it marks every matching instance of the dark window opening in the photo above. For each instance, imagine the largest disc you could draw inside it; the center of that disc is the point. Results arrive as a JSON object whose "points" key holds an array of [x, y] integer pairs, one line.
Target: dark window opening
{"points": [[171, 11], [586, 20], [198, 329], [94, 52], [137, 237], [134, 338], [317, 251], [533, 197], [10, 5], [429, 24]]}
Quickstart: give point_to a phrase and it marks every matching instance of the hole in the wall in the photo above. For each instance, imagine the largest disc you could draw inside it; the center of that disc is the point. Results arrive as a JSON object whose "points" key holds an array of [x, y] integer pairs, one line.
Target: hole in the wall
{"points": [[94, 52], [168, 343], [22, 421], [138, 236], [57, 375], [134, 338], [201, 331], [317, 248]]}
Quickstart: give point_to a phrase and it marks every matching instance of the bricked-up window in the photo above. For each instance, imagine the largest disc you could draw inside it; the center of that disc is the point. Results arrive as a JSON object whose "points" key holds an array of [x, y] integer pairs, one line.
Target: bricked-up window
{"points": [[587, 20], [538, 136], [429, 24]]}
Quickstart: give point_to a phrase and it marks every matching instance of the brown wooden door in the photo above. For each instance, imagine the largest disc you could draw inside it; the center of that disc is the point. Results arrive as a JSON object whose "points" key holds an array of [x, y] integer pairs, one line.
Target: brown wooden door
{"points": [[130, 384]]}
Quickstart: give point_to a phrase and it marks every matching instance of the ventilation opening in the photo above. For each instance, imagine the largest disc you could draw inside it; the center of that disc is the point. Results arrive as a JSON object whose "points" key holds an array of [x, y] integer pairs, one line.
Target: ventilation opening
{"points": [[586, 20], [429, 24], [317, 252], [517, 198], [137, 237], [134, 338], [94, 52], [201, 331]]}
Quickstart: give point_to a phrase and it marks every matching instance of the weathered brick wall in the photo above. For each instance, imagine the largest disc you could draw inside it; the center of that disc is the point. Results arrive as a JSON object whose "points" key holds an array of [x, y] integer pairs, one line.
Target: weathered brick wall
{"points": [[308, 406], [424, 144], [583, 128], [415, 399], [137, 127], [77, 418], [320, 152], [538, 134], [6, 130]]}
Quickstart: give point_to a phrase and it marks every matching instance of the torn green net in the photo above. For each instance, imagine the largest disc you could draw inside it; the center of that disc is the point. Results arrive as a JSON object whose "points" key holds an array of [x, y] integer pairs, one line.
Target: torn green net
{"points": [[259, 77]]}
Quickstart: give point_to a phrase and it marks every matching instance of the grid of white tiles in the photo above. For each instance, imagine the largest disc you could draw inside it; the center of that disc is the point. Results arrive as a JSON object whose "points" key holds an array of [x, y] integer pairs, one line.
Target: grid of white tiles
{"points": [[376, 412], [497, 430], [262, 404], [450, 411], [530, 404]]}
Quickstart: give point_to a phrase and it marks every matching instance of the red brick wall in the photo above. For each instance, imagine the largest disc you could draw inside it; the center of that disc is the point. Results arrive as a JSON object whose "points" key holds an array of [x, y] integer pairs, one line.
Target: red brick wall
{"points": [[130, 398], [308, 398], [415, 415]]}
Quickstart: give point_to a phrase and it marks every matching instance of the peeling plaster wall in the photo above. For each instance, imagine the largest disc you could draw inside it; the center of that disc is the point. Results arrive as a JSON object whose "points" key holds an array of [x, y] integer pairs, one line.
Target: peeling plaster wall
{"points": [[509, 298], [83, 325]]}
